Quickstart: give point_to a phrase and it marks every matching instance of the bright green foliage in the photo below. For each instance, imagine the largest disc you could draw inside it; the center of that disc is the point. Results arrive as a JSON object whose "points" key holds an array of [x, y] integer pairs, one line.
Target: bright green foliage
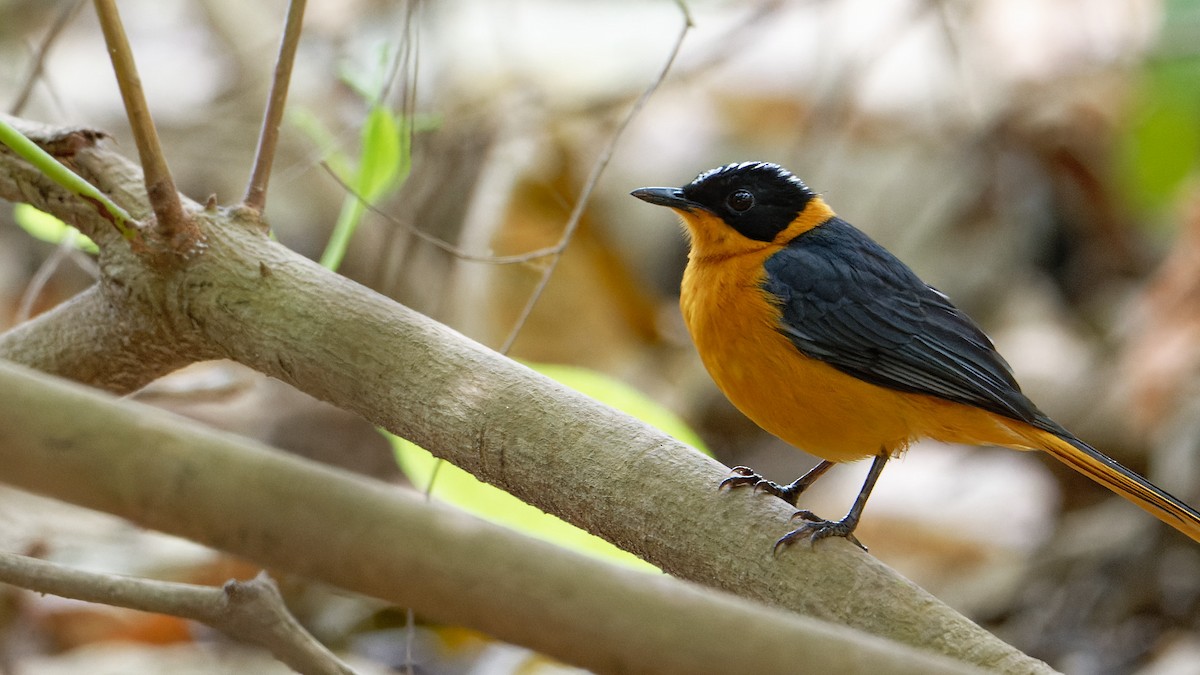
{"points": [[384, 152], [1160, 150], [615, 393], [1163, 144], [42, 225], [455, 486], [384, 162]]}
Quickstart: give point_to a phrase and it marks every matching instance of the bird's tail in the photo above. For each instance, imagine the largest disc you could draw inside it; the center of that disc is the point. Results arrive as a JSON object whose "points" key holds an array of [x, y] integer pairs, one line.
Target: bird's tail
{"points": [[1106, 471]]}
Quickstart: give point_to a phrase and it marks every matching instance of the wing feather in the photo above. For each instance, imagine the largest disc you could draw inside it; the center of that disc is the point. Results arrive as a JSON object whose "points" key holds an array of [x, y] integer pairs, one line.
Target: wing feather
{"points": [[845, 300]]}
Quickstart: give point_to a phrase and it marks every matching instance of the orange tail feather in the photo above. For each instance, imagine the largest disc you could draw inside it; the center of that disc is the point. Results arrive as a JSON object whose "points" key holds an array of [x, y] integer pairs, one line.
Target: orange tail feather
{"points": [[1106, 471]]}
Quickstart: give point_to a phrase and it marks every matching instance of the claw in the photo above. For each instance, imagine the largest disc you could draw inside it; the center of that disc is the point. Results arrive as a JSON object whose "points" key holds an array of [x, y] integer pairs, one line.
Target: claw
{"points": [[817, 529], [741, 476], [744, 475], [805, 514]]}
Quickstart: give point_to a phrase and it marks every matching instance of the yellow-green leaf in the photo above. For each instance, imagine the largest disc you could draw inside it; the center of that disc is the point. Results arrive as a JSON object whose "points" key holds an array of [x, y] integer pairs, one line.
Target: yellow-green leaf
{"points": [[379, 167], [42, 225], [455, 486]]}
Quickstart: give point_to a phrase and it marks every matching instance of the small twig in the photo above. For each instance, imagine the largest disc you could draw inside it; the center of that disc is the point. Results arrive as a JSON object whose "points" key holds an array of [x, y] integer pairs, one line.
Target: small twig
{"points": [[437, 241], [961, 59], [735, 39], [405, 55], [65, 250], [410, 632], [40, 279], [160, 186], [39, 58], [250, 611], [406, 61], [546, 251], [597, 169], [268, 137]]}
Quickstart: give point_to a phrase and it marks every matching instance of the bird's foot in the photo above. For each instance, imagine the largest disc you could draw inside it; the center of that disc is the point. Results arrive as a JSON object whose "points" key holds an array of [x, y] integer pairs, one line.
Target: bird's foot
{"points": [[818, 528], [742, 476]]}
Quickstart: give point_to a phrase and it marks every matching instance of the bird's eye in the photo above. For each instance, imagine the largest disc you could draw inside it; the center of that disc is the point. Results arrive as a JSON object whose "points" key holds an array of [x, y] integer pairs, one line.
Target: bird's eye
{"points": [[740, 200]]}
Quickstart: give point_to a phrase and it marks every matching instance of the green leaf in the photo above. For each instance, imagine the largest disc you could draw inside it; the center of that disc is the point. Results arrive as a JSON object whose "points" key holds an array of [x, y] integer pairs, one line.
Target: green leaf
{"points": [[614, 392], [1159, 151], [455, 486], [382, 154], [383, 166], [43, 226], [1161, 147], [1162, 153]]}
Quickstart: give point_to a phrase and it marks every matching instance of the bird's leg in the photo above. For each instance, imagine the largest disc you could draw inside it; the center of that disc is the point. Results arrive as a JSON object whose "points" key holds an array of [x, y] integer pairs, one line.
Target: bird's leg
{"points": [[744, 475], [818, 528]]}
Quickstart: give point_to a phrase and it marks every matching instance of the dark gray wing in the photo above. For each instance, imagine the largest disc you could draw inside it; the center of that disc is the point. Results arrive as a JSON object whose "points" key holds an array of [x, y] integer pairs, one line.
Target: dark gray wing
{"points": [[847, 301]]}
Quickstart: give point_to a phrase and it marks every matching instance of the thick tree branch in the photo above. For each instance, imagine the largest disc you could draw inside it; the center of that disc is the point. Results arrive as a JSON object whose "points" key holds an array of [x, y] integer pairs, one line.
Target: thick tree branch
{"points": [[168, 473], [255, 301], [113, 336], [88, 339]]}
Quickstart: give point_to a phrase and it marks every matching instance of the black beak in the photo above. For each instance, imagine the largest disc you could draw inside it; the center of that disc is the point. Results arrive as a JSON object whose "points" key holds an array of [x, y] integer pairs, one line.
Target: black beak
{"points": [[672, 197]]}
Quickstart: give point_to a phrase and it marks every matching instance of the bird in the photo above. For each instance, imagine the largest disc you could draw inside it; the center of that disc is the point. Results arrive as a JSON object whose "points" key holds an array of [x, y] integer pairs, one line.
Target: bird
{"points": [[828, 341]]}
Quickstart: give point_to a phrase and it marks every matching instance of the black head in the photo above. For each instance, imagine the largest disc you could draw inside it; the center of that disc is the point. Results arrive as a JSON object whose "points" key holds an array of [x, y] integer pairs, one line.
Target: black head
{"points": [[757, 199]]}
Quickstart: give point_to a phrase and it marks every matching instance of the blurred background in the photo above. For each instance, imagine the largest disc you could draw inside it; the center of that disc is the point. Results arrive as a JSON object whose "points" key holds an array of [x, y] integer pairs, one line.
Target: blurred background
{"points": [[1035, 159]]}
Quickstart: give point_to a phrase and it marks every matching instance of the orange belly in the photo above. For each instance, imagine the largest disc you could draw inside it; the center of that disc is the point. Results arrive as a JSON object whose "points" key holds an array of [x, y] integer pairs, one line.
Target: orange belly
{"points": [[804, 401]]}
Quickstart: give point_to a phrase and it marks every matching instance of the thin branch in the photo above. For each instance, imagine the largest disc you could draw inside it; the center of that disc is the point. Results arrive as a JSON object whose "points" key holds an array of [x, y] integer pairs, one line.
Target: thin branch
{"points": [[735, 39], [65, 250], [39, 58], [160, 186], [268, 138], [597, 170], [404, 56], [573, 221], [248, 611], [39, 280], [438, 241], [406, 60]]}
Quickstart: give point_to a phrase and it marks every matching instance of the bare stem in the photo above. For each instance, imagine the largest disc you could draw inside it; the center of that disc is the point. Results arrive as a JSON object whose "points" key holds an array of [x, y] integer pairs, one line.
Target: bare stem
{"points": [[39, 59], [594, 178], [160, 186], [268, 137], [251, 611], [435, 241], [64, 251]]}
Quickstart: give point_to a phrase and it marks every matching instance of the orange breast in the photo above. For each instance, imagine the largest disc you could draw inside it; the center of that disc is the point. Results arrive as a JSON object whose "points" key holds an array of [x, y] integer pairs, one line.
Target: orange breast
{"points": [[803, 401]]}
